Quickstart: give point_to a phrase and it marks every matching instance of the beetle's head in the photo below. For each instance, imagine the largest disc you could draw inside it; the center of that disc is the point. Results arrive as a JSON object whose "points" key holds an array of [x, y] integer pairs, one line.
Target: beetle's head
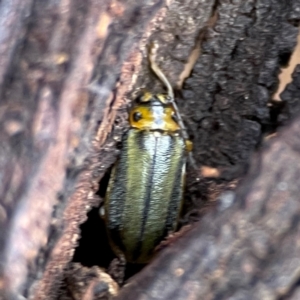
{"points": [[153, 112]]}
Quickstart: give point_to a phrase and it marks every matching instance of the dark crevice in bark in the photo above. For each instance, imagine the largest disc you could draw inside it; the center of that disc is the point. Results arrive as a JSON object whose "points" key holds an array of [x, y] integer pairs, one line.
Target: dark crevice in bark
{"points": [[68, 73]]}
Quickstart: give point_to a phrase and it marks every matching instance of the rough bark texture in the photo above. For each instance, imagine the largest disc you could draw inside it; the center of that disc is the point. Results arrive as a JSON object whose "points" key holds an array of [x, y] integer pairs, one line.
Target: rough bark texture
{"points": [[68, 71], [247, 251], [83, 283]]}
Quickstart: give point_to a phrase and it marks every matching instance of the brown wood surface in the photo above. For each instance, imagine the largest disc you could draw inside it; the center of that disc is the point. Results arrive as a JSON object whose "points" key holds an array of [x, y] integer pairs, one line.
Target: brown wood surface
{"points": [[68, 72], [248, 248]]}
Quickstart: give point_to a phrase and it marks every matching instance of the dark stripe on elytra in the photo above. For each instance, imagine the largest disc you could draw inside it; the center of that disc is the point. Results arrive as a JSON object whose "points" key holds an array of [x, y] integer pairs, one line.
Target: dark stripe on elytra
{"points": [[140, 140], [175, 201], [118, 196], [141, 143], [147, 202]]}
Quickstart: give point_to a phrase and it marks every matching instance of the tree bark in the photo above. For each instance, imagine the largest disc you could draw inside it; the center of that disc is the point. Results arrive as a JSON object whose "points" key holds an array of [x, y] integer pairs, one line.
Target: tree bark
{"points": [[247, 251], [68, 72]]}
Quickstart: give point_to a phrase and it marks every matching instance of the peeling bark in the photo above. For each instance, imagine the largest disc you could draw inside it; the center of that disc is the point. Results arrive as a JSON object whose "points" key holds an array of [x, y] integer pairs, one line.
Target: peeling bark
{"points": [[247, 251], [69, 70]]}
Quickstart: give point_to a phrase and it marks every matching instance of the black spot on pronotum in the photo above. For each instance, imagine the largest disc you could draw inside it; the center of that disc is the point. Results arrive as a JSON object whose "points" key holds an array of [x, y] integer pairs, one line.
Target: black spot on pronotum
{"points": [[137, 116]]}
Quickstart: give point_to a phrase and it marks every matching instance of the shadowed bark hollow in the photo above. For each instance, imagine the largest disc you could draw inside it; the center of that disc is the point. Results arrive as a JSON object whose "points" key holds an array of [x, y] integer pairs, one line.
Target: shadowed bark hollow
{"points": [[68, 72]]}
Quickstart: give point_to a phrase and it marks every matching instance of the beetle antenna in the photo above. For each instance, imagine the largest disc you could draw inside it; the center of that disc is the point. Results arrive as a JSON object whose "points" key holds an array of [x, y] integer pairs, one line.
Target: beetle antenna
{"points": [[158, 72], [155, 68]]}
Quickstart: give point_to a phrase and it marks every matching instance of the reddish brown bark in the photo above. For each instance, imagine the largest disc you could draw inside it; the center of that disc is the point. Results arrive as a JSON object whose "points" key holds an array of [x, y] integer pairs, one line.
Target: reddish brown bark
{"points": [[68, 71]]}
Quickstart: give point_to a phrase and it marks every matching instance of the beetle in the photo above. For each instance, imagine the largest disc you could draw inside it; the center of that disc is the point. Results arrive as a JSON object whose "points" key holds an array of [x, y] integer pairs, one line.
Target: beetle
{"points": [[145, 191]]}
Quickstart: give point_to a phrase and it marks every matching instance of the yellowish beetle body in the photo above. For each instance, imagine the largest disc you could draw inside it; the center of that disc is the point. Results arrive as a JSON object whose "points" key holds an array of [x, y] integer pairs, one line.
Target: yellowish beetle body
{"points": [[144, 196]]}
